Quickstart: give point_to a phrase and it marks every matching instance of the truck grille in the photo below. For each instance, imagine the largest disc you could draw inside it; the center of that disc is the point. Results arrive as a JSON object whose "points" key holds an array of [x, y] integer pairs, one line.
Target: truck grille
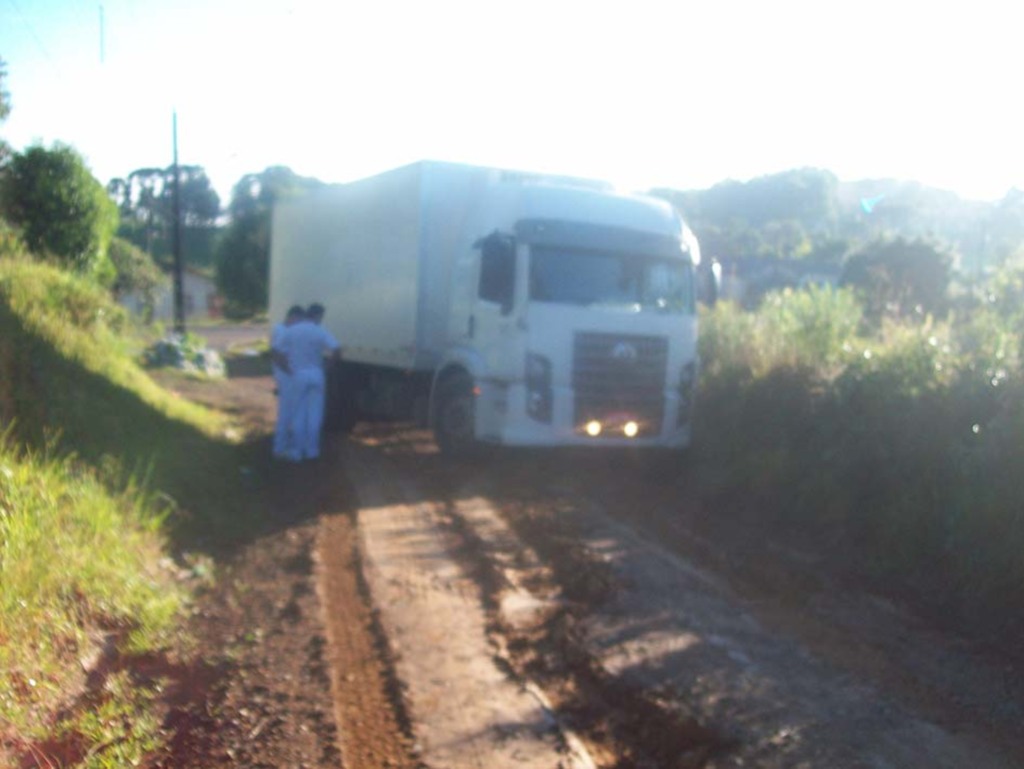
{"points": [[620, 376]]}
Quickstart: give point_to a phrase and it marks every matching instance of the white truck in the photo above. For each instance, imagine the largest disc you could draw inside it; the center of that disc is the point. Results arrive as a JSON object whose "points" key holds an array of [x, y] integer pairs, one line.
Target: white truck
{"points": [[497, 307]]}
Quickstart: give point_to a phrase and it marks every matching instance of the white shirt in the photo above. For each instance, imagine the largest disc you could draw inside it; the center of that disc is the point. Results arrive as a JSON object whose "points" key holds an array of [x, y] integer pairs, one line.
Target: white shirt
{"points": [[305, 343], [276, 333]]}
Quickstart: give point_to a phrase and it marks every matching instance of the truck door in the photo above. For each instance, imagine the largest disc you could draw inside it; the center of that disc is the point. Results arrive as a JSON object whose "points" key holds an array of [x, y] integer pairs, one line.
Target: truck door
{"points": [[492, 323]]}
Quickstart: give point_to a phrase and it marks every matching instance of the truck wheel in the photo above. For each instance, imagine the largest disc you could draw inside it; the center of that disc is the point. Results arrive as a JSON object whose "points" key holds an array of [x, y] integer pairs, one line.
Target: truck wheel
{"points": [[455, 421], [340, 408]]}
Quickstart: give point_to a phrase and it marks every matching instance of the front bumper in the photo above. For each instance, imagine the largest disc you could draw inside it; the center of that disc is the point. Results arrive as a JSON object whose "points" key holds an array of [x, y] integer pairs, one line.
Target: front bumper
{"points": [[506, 422]]}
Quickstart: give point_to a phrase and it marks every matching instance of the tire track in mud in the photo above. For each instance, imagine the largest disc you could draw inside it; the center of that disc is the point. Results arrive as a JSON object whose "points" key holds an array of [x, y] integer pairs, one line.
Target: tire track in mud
{"points": [[628, 622], [669, 627], [367, 699], [531, 619], [465, 710], [534, 623]]}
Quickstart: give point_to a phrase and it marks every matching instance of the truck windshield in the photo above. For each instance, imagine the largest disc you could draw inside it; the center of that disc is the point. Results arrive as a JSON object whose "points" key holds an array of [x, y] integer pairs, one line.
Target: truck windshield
{"points": [[569, 276]]}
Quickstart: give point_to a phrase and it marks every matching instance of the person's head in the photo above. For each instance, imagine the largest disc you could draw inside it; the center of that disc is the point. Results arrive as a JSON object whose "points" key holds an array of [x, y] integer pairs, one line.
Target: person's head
{"points": [[315, 312], [295, 314]]}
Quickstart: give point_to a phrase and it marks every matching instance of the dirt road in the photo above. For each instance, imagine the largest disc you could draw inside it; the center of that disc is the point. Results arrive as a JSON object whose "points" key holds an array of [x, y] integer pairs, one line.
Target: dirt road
{"points": [[557, 609]]}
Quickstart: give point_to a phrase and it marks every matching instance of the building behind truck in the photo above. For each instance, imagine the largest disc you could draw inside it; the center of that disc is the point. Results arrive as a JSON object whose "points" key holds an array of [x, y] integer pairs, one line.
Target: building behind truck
{"points": [[496, 306]]}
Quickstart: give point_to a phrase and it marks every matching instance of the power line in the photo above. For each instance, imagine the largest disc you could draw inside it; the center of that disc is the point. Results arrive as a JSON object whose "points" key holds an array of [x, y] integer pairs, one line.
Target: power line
{"points": [[31, 31]]}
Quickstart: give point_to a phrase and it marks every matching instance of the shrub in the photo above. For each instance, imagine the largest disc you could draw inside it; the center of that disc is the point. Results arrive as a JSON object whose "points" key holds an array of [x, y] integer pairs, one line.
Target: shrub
{"points": [[60, 208], [900, 278], [902, 450], [727, 340], [810, 327], [11, 244]]}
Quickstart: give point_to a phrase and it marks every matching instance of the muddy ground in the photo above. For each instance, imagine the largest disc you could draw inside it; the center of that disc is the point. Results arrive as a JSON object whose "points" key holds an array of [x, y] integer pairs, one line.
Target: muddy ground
{"points": [[555, 609]]}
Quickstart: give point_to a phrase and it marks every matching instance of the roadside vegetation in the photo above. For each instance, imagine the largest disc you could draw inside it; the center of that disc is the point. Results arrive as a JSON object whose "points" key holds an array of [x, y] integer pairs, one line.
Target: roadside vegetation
{"points": [[83, 587], [893, 443], [72, 380], [113, 489], [105, 477]]}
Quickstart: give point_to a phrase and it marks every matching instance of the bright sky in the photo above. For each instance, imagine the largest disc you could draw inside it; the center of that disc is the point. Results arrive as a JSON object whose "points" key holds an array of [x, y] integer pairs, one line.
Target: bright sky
{"points": [[675, 93]]}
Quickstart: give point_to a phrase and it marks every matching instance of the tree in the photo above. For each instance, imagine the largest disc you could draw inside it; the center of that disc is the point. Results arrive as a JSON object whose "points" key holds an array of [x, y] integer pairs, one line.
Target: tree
{"points": [[146, 202], [5, 110], [900, 278], [786, 239], [60, 208], [806, 196], [778, 216], [1005, 227], [5, 97], [829, 249], [243, 256]]}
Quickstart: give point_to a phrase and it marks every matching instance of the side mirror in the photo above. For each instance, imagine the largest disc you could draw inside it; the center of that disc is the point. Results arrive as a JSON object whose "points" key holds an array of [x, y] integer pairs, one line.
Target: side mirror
{"points": [[498, 270], [709, 282]]}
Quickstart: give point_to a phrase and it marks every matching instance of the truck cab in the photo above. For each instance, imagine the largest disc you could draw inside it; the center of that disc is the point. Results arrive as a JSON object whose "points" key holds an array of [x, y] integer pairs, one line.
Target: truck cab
{"points": [[573, 323]]}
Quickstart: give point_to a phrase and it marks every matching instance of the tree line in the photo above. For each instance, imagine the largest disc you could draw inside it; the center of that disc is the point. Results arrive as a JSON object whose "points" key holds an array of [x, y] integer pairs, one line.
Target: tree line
{"points": [[907, 248], [809, 213], [900, 243], [232, 242]]}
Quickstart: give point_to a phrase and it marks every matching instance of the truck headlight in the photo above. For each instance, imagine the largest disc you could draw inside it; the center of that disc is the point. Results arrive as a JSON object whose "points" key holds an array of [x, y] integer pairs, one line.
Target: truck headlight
{"points": [[539, 395]]}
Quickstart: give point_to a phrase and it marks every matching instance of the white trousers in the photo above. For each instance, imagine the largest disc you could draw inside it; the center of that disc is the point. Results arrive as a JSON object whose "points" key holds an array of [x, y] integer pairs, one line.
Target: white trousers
{"points": [[284, 443], [308, 415]]}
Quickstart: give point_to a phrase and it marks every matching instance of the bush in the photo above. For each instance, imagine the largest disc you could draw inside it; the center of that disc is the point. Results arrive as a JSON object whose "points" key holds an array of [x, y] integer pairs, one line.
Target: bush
{"points": [[727, 341], [60, 208], [901, 450], [810, 327], [900, 278], [11, 244]]}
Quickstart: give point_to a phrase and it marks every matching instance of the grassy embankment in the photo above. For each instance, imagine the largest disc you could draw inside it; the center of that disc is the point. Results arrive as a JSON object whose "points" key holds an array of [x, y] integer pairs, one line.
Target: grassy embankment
{"points": [[99, 466], [896, 450]]}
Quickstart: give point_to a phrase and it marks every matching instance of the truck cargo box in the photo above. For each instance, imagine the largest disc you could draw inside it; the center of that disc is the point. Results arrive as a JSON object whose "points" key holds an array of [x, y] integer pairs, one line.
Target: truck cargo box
{"points": [[378, 254]]}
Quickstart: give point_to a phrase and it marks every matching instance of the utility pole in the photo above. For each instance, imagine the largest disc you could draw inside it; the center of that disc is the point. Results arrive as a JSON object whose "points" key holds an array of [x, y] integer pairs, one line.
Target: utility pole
{"points": [[179, 283]]}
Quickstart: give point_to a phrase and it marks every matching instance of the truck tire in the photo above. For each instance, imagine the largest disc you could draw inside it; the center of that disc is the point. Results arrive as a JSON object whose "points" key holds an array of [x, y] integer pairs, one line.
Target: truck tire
{"points": [[455, 418], [340, 409]]}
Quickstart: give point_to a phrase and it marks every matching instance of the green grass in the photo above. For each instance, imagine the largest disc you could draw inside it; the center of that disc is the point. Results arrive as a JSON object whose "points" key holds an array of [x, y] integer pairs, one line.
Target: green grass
{"points": [[76, 320], [119, 728], [76, 561], [70, 379], [103, 473]]}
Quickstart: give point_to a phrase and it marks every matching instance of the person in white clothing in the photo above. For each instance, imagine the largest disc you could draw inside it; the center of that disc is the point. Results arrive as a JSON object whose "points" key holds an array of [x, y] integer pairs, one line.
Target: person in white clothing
{"points": [[303, 347], [283, 443]]}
